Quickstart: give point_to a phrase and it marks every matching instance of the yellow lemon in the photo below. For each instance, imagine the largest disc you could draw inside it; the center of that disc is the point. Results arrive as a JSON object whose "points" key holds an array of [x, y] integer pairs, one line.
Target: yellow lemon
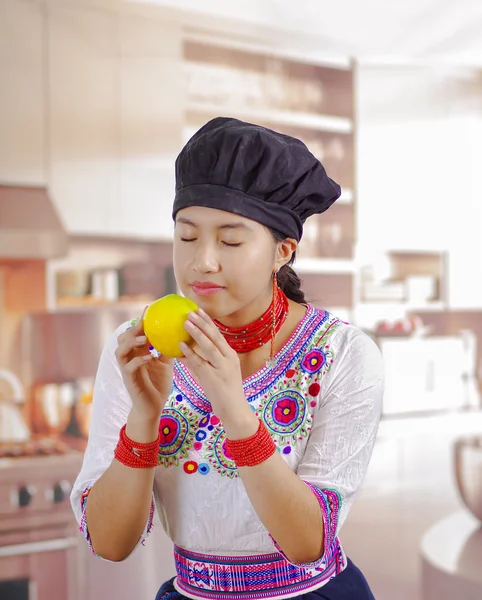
{"points": [[164, 324]]}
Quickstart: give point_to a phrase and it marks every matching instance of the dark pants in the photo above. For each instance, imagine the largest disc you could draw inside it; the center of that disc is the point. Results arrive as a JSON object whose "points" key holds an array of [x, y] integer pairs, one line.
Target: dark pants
{"points": [[348, 585]]}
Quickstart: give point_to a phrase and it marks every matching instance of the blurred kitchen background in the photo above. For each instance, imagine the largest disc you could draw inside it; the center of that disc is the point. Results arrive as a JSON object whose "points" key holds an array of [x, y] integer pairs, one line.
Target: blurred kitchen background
{"points": [[96, 99]]}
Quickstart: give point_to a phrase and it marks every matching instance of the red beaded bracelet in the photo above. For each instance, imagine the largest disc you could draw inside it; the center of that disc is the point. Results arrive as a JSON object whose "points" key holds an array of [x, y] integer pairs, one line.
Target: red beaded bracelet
{"points": [[136, 455], [253, 450]]}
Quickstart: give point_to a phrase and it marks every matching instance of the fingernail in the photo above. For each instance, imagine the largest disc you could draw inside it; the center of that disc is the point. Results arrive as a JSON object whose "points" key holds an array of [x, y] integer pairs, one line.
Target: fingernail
{"points": [[193, 315], [201, 312], [141, 339], [147, 357]]}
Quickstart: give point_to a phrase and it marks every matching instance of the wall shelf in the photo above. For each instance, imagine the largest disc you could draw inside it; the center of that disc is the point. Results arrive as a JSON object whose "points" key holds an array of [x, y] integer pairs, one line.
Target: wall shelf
{"points": [[324, 265], [297, 97], [288, 118]]}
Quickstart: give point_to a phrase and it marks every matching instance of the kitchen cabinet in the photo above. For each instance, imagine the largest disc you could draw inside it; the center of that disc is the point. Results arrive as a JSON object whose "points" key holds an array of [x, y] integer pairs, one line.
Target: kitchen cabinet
{"points": [[410, 151], [83, 91], [22, 102], [426, 374], [465, 258], [399, 212], [116, 106], [150, 127], [83, 136]]}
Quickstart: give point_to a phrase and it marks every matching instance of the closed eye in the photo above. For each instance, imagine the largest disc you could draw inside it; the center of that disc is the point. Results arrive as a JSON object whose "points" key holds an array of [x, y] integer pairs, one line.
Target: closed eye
{"points": [[224, 243]]}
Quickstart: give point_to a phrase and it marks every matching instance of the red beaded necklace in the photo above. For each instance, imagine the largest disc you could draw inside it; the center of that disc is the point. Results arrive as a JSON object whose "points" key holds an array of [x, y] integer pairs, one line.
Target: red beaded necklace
{"points": [[260, 332]]}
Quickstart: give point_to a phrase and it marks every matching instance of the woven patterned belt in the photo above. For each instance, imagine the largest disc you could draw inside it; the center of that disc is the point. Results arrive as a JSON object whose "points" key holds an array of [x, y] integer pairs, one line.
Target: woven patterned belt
{"points": [[251, 577]]}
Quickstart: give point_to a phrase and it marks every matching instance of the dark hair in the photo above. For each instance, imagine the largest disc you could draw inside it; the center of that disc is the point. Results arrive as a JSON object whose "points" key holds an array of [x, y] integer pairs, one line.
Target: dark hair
{"points": [[288, 279]]}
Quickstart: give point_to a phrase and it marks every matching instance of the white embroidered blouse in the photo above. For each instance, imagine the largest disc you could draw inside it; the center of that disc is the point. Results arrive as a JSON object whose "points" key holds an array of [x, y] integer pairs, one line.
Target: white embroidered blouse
{"points": [[321, 402]]}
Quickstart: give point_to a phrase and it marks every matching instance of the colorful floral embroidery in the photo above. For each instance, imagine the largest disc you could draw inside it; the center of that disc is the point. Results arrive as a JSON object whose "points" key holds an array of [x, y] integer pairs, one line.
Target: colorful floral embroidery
{"points": [[203, 469], [285, 412], [314, 389], [192, 392], [177, 426], [313, 361], [330, 504], [283, 396], [190, 467], [84, 530], [219, 456], [302, 339], [286, 417], [204, 422]]}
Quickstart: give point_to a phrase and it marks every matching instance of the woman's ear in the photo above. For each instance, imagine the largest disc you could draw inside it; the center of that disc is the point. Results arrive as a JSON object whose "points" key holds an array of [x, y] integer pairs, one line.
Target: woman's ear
{"points": [[284, 252]]}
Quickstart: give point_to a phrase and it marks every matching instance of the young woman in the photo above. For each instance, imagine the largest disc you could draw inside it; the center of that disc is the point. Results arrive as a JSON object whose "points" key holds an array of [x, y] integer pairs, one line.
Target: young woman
{"points": [[253, 445]]}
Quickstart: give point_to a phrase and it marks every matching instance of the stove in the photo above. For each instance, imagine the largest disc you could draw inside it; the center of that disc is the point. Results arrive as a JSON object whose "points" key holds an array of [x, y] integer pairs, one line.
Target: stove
{"points": [[43, 446], [38, 533]]}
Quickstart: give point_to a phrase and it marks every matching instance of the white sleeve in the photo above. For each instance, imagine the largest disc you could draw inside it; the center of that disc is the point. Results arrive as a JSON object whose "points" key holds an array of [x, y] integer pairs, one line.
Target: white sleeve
{"points": [[110, 409], [344, 428]]}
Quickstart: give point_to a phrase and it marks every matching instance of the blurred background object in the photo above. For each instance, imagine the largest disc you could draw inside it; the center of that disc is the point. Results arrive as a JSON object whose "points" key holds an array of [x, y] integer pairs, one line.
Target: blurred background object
{"points": [[468, 473]]}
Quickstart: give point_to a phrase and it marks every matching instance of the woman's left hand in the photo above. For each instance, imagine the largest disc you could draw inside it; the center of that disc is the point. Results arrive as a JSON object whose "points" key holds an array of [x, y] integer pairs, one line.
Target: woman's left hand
{"points": [[216, 367]]}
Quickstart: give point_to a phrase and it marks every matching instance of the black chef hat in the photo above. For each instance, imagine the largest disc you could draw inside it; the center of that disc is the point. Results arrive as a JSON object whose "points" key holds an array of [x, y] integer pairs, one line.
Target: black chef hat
{"points": [[254, 172]]}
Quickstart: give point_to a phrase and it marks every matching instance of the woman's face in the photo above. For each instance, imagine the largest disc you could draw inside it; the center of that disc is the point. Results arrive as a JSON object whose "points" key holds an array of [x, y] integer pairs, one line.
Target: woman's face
{"points": [[224, 263]]}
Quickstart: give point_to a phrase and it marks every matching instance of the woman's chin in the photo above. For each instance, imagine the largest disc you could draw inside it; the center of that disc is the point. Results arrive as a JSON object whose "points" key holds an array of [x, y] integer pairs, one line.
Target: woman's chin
{"points": [[210, 305]]}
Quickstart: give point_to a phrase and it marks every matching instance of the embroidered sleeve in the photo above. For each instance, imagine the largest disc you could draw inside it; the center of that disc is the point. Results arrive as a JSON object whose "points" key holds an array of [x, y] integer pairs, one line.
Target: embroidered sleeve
{"points": [[330, 502], [85, 530], [344, 428], [110, 409]]}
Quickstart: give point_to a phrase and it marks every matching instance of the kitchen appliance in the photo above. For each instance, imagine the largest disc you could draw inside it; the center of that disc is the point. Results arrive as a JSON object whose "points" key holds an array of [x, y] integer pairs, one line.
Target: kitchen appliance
{"points": [[61, 377], [105, 284], [39, 543], [30, 226], [51, 407], [82, 415], [71, 341], [12, 424]]}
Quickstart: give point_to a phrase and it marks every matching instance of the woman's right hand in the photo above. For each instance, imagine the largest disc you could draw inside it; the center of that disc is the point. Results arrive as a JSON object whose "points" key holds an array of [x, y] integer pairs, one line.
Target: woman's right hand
{"points": [[148, 379]]}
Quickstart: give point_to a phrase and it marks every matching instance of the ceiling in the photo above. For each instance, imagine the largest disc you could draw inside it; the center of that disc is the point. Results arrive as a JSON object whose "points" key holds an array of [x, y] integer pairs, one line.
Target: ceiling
{"points": [[374, 31]]}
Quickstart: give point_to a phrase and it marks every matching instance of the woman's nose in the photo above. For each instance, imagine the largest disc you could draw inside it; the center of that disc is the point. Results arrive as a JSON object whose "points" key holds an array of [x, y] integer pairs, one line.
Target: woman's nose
{"points": [[206, 260]]}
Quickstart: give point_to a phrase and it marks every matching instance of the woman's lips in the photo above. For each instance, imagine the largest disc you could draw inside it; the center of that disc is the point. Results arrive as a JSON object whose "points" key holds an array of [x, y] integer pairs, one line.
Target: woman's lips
{"points": [[206, 289]]}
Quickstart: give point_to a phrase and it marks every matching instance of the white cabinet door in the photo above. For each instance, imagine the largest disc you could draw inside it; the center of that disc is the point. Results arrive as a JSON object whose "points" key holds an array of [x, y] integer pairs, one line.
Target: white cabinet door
{"points": [[84, 107], [22, 152], [426, 374], [405, 363], [151, 114], [465, 257]]}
